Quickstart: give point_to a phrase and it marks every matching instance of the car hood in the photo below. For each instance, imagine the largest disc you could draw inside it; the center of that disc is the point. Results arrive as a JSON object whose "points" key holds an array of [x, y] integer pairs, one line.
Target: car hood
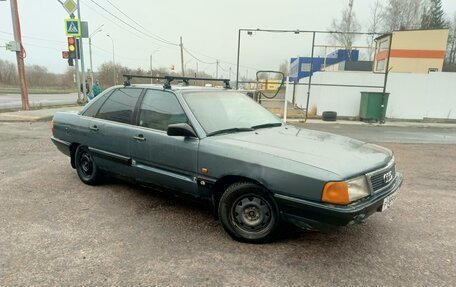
{"points": [[344, 156]]}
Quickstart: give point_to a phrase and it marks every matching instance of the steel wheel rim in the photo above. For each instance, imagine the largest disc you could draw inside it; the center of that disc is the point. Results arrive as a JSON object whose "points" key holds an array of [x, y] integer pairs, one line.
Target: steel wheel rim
{"points": [[86, 164], [252, 213]]}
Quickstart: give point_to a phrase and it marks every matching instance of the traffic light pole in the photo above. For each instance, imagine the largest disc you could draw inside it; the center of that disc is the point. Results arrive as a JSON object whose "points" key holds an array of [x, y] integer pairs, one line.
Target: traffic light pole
{"points": [[20, 55], [78, 80], [81, 51]]}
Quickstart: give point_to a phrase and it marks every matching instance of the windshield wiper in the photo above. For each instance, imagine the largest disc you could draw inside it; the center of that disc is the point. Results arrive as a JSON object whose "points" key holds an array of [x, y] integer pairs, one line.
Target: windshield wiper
{"points": [[230, 130], [268, 125]]}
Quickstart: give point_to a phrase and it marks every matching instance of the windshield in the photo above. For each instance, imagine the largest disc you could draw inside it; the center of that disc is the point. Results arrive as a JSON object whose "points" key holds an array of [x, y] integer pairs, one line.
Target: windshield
{"points": [[231, 111]]}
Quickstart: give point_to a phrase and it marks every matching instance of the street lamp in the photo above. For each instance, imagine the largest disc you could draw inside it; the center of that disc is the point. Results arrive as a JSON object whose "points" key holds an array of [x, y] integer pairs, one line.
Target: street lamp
{"points": [[151, 73], [113, 60], [90, 51]]}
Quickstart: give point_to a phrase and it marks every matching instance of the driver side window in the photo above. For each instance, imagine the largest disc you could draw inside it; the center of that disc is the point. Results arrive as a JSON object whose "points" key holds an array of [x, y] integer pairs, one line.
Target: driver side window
{"points": [[160, 109]]}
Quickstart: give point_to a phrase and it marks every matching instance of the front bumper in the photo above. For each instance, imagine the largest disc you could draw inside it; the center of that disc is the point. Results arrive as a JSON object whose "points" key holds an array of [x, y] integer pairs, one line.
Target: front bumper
{"points": [[321, 216]]}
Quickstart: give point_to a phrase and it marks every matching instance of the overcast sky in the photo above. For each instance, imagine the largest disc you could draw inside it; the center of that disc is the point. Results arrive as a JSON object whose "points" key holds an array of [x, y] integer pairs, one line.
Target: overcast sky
{"points": [[209, 31]]}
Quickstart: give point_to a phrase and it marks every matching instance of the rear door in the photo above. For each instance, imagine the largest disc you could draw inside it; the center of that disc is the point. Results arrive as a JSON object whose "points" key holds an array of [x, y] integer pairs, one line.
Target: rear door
{"points": [[110, 131], [160, 159]]}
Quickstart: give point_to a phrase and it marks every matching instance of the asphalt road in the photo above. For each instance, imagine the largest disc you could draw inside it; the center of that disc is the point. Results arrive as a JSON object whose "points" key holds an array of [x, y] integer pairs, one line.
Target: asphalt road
{"points": [[54, 230], [389, 134], [13, 101]]}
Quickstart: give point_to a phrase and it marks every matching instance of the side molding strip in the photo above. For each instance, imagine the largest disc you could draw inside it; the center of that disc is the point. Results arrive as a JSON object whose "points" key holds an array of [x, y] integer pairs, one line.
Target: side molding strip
{"points": [[111, 156]]}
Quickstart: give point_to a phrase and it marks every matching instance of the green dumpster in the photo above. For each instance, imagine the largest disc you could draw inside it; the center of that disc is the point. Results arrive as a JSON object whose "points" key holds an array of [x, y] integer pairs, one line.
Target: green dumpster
{"points": [[373, 106]]}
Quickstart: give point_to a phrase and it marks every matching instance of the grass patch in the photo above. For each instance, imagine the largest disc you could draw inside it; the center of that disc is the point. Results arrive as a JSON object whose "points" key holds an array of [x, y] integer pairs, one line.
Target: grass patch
{"points": [[37, 91]]}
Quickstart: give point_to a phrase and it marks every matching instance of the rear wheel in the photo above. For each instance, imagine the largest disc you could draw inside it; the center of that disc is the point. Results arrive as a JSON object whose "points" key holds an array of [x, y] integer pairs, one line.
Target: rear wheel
{"points": [[86, 168], [249, 213]]}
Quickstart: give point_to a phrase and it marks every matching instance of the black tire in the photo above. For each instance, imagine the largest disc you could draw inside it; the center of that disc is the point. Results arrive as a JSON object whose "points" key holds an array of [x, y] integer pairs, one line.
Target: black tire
{"points": [[329, 116], [86, 168], [249, 213]]}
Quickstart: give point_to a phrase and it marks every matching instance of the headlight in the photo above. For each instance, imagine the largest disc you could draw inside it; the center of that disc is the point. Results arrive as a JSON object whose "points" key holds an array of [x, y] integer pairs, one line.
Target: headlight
{"points": [[357, 188], [344, 192]]}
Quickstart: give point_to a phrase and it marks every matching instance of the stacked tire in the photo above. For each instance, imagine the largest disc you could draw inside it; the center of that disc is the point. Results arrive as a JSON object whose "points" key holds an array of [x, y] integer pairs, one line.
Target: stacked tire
{"points": [[329, 116]]}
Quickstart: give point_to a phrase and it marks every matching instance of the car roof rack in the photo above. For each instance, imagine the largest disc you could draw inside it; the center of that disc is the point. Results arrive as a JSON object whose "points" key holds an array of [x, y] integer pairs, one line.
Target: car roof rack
{"points": [[169, 79]]}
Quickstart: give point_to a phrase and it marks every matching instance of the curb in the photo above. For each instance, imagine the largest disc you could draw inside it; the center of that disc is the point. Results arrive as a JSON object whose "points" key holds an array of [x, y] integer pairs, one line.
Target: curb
{"points": [[40, 115], [21, 119]]}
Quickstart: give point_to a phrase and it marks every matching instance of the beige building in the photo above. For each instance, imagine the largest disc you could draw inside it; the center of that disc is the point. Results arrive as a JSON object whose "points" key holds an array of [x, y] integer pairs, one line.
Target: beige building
{"points": [[412, 51]]}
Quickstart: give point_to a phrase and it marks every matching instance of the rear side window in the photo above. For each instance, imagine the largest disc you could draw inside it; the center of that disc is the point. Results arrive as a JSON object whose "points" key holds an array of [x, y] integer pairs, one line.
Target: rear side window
{"points": [[120, 105], [160, 109], [95, 106]]}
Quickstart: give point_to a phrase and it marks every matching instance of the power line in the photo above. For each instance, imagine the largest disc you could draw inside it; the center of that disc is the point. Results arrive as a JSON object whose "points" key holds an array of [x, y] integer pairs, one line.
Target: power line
{"points": [[117, 24], [129, 25], [223, 69], [156, 37], [110, 53], [35, 38], [141, 26], [199, 60], [222, 61]]}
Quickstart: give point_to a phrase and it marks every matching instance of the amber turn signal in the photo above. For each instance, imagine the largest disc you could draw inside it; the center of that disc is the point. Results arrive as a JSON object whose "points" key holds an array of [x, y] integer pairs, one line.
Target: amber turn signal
{"points": [[336, 193]]}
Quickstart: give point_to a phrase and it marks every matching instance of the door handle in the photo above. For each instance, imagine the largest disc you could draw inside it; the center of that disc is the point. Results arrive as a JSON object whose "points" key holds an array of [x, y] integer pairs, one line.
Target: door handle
{"points": [[139, 137], [94, 128]]}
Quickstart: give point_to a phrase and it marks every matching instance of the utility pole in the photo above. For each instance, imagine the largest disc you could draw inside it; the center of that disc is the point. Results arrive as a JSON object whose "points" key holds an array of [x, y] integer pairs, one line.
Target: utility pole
{"points": [[20, 55], [196, 73], [91, 65], [182, 56], [81, 52], [216, 69], [151, 73], [113, 60], [90, 51]]}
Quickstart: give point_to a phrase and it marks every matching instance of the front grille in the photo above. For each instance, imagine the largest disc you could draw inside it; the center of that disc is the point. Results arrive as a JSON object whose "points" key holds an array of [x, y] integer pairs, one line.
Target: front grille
{"points": [[378, 180]]}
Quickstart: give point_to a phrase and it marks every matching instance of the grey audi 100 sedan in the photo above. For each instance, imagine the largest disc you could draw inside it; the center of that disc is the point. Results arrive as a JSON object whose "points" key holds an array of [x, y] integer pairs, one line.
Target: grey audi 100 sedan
{"points": [[219, 145]]}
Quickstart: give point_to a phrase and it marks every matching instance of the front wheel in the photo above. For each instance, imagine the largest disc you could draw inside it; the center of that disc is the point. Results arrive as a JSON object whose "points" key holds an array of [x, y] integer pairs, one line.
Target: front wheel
{"points": [[249, 213], [86, 168]]}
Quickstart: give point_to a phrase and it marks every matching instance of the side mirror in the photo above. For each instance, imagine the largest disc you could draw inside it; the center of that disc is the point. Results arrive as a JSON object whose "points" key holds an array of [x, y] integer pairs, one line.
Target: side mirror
{"points": [[182, 129]]}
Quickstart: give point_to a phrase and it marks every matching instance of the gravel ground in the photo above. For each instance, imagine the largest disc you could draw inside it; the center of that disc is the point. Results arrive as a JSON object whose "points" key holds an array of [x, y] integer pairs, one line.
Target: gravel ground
{"points": [[55, 230]]}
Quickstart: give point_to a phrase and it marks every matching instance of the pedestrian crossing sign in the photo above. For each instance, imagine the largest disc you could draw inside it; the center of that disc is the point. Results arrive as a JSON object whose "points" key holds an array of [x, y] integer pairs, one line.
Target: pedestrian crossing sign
{"points": [[72, 27]]}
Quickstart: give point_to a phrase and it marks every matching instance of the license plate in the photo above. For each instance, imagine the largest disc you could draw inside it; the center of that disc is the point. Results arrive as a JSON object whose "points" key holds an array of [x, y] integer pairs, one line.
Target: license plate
{"points": [[388, 201]]}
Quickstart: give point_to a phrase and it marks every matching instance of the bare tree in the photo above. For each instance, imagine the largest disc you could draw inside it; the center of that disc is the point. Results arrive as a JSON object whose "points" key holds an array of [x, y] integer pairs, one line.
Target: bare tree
{"points": [[403, 14], [375, 24], [8, 73], [284, 68], [37, 77], [347, 24], [451, 51]]}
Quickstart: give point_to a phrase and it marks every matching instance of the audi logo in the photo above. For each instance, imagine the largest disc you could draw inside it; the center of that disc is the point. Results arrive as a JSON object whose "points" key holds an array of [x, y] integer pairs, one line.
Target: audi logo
{"points": [[387, 177]]}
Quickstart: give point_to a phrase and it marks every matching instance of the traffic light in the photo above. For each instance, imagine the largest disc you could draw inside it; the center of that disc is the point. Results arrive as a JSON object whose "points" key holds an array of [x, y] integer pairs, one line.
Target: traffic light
{"points": [[72, 48], [70, 62], [77, 49]]}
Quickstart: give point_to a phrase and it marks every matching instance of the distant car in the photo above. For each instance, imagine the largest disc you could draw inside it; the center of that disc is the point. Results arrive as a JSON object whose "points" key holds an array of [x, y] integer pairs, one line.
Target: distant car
{"points": [[220, 145]]}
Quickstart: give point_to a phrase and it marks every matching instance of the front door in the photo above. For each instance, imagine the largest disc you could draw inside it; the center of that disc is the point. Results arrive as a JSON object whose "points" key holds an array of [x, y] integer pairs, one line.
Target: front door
{"points": [[160, 159]]}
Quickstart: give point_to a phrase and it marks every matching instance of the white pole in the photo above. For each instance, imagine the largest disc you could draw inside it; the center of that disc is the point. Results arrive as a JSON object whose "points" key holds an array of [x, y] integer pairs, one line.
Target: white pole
{"points": [[285, 104]]}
